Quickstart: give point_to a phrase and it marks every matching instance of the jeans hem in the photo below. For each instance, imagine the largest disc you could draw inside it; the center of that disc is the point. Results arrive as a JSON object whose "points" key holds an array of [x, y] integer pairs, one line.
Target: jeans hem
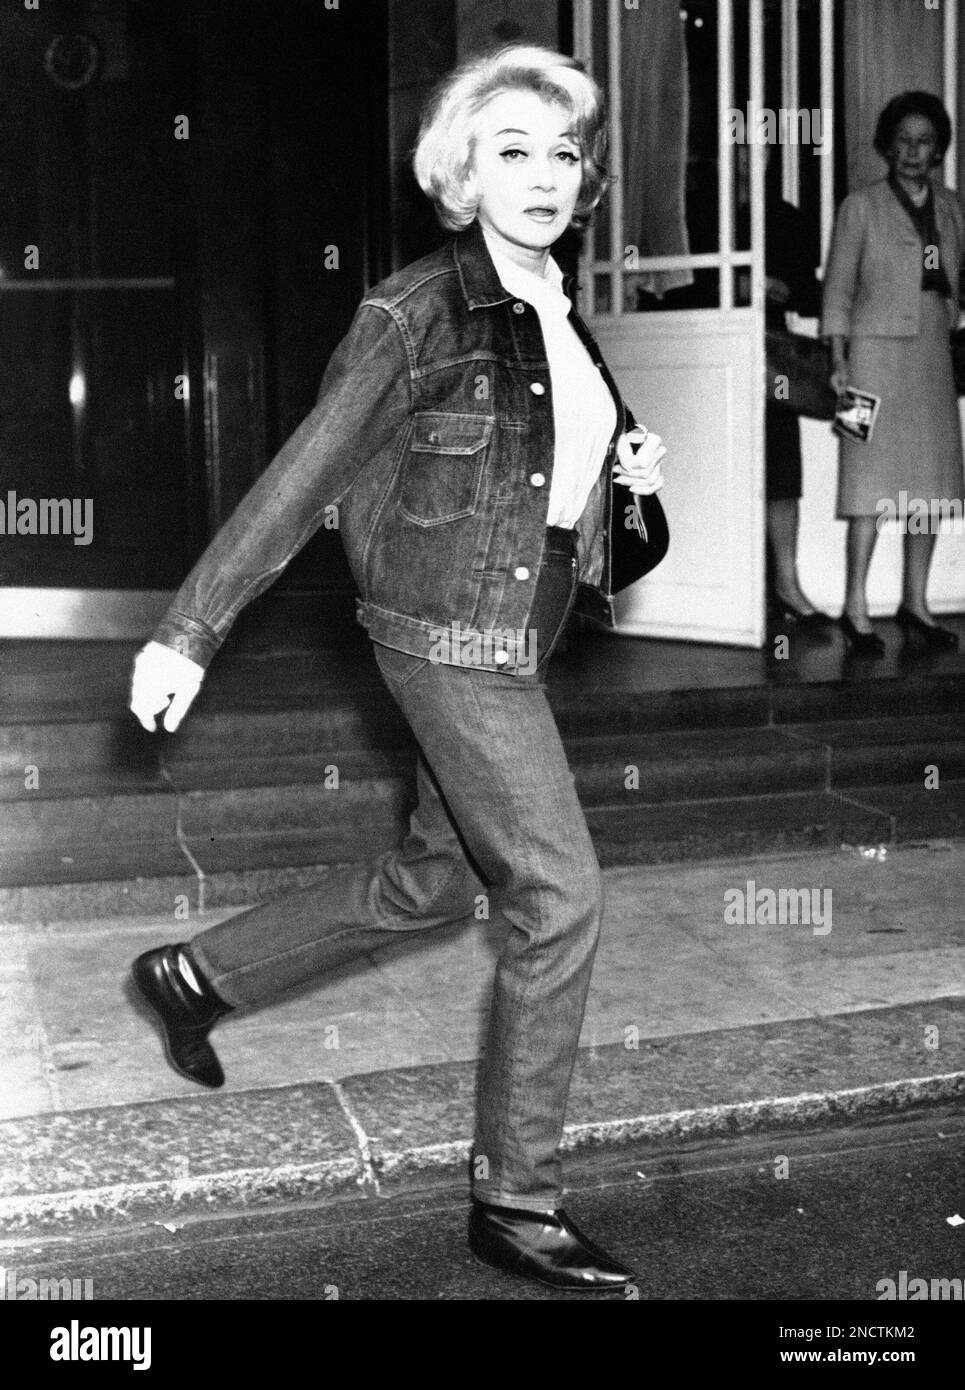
{"points": [[516, 1201], [213, 978]]}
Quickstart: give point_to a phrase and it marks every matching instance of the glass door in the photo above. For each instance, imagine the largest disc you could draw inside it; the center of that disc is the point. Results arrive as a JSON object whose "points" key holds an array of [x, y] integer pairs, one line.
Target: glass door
{"points": [[99, 512]]}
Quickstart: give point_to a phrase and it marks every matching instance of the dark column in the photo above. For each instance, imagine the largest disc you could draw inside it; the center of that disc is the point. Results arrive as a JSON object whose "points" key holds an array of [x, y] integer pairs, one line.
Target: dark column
{"points": [[290, 168], [231, 170]]}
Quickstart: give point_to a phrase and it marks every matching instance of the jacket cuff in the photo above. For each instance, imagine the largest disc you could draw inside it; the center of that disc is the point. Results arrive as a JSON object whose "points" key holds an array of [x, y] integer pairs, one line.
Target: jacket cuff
{"points": [[191, 638]]}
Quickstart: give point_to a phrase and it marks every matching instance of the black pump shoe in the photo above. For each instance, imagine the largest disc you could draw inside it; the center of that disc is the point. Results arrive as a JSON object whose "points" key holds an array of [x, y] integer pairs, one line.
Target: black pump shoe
{"points": [[543, 1246], [186, 1017], [816, 623], [930, 634], [861, 643]]}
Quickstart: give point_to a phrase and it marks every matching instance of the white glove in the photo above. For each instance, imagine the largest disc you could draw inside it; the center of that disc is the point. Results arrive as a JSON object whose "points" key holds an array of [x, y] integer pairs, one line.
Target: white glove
{"points": [[162, 674], [639, 453]]}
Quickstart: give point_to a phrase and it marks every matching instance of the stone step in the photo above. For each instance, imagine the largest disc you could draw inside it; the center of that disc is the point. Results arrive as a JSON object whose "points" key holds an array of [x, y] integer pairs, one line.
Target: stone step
{"points": [[301, 702], [73, 809], [344, 718], [188, 801], [731, 762], [677, 752], [234, 868], [258, 793]]}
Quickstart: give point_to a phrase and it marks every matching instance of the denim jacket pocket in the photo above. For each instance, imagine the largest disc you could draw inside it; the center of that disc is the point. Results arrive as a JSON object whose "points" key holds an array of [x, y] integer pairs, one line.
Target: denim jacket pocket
{"points": [[443, 469]]}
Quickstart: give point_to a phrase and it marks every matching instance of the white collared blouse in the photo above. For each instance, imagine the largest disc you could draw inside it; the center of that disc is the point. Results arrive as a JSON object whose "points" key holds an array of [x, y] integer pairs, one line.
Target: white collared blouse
{"points": [[584, 415]]}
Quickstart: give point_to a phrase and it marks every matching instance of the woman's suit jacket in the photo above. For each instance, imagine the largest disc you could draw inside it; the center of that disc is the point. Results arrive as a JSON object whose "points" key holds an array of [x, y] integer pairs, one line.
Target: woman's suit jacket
{"points": [[873, 275]]}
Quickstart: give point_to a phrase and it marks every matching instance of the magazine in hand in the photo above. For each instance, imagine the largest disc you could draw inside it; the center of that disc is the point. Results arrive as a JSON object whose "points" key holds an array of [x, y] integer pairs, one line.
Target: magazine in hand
{"points": [[856, 414]]}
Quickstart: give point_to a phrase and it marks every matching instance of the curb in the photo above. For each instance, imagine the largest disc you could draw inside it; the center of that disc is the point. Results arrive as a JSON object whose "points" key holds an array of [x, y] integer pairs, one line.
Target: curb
{"points": [[44, 1213]]}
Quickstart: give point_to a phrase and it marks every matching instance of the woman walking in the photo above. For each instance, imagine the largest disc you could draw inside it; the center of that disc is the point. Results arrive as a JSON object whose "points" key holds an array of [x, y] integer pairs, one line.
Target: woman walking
{"points": [[890, 300], [478, 450]]}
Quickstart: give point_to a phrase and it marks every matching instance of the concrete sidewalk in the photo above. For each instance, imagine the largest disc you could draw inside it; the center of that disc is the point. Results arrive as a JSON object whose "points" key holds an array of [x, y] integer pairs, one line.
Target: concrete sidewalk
{"points": [[697, 1026]]}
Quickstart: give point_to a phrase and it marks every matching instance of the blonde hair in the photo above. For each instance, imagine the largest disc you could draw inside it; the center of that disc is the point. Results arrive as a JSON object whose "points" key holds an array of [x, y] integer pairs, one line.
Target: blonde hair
{"points": [[444, 150]]}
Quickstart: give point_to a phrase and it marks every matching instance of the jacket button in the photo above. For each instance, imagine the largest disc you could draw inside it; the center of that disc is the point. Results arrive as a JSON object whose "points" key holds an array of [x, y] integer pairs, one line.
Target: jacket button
{"points": [[521, 573], [519, 308], [501, 658], [537, 388], [537, 479], [434, 437]]}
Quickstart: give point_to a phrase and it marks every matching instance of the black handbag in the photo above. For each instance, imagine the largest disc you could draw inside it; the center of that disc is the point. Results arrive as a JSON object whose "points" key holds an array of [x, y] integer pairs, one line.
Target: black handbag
{"points": [[798, 370], [958, 360], [639, 542]]}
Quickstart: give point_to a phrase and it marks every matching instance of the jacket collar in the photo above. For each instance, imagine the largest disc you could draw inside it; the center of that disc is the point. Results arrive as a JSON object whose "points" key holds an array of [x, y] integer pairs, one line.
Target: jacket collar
{"points": [[480, 284], [881, 191]]}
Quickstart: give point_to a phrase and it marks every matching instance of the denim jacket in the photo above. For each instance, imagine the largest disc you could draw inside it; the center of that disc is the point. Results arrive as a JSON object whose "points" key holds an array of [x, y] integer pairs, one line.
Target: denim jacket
{"points": [[433, 436]]}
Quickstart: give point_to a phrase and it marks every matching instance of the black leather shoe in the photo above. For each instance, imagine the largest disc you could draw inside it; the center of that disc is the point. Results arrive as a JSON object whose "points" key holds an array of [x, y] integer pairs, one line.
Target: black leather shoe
{"points": [[543, 1246], [861, 643], [816, 622], [186, 1017], [929, 634]]}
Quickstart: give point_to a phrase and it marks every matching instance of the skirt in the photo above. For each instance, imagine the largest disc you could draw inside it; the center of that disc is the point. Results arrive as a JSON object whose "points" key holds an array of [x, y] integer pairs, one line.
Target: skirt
{"points": [[782, 454], [916, 445]]}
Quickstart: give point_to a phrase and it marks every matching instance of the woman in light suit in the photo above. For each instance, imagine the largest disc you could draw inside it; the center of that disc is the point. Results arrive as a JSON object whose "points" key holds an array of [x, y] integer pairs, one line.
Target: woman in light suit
{"points": [[890, 300]]}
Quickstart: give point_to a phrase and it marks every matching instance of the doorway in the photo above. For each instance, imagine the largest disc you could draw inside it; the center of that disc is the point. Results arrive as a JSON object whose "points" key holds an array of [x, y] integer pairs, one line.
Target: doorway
{"points": [[672, 274], [198, 201], [95, 473]]}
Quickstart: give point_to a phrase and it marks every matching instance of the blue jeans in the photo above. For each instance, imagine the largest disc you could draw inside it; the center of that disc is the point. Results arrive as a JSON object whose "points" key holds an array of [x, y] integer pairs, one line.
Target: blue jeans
{"points": [[498, 815]]}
